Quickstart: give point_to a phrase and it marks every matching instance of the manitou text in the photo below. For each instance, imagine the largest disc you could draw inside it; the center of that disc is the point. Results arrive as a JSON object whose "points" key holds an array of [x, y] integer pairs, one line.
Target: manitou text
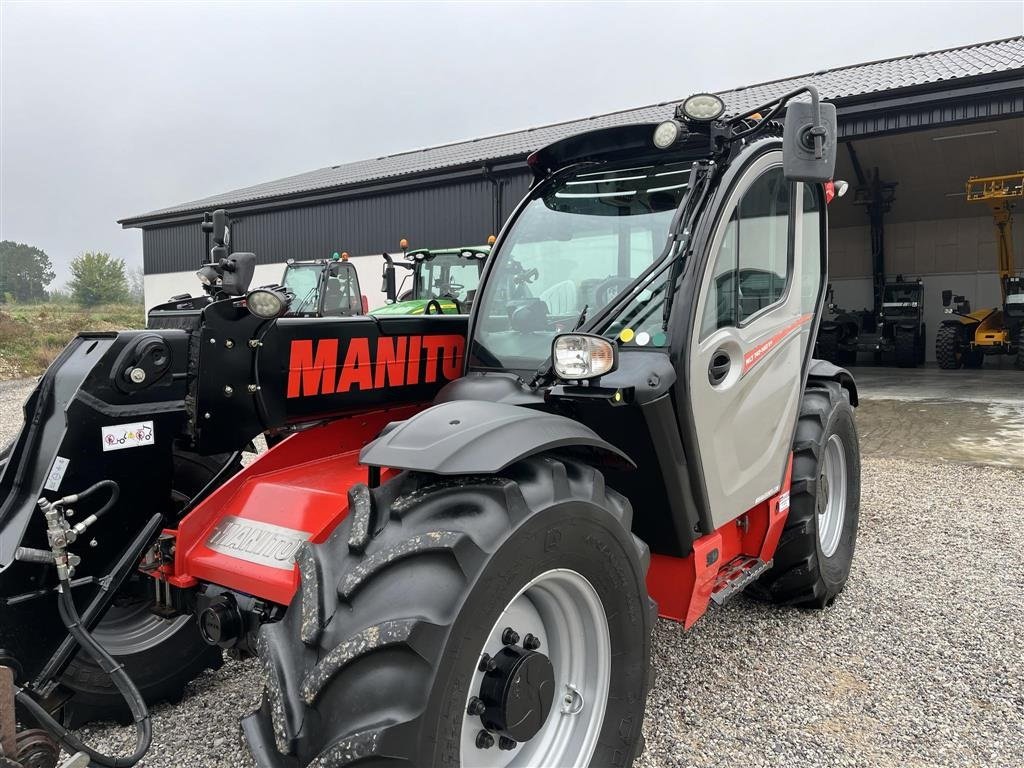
{"points": [[328, 366]]}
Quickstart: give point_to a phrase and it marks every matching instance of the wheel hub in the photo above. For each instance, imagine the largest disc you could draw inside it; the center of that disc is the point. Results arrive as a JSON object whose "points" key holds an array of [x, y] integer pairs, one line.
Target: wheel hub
{"points": [[517, 693]]}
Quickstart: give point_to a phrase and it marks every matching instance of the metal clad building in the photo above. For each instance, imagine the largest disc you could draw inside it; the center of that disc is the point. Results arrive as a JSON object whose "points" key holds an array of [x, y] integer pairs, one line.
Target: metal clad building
{"points": [[926, 121]]}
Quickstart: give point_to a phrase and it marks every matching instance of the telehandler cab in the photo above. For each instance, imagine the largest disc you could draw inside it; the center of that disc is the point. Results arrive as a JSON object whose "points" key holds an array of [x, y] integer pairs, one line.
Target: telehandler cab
{"points": [[473, 582]]}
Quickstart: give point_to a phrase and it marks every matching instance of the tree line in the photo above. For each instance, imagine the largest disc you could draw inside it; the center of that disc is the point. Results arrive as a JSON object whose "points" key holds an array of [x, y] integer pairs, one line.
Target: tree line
{"points": [[96, 278]]}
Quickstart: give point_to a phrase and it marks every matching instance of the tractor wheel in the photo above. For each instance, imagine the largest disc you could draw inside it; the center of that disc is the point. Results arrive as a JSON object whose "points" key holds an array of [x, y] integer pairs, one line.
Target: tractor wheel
{"points": [[161, 655], [922, 344], [464, 621], [907, 345], [949, 347], [815, 552], [828, 346]]}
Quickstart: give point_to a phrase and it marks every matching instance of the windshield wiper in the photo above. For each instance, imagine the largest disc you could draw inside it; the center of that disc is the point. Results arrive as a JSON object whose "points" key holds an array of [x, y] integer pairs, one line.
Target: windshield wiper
{"points": [[582, 319], [309, 294]]}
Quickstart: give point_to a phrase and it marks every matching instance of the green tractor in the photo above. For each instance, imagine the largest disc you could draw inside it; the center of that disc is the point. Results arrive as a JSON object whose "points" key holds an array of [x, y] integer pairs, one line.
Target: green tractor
{"points": [[444, 281]]}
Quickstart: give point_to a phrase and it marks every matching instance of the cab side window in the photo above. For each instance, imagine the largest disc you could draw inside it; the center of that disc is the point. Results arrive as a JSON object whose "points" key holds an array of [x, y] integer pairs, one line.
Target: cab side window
{"points": [[753, 264]]}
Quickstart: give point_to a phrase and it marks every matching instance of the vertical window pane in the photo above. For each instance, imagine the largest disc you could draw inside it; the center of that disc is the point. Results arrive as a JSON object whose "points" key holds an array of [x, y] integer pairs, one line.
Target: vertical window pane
{"points": [[810, 256], [752, 265]]}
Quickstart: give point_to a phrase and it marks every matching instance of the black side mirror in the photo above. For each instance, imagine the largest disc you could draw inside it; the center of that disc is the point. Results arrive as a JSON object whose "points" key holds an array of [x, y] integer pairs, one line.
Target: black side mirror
{"points": [[947, 298], [389, 288], [220, 227], [809, 140], [238, 269]]}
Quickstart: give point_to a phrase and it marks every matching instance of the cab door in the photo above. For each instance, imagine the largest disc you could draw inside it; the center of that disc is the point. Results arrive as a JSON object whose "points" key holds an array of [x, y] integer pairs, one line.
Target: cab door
{"points": [[756, 302]]}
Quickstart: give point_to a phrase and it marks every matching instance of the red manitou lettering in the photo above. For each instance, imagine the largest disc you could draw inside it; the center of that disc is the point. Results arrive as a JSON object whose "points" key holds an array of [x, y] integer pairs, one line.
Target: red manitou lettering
{"points": [[390, 361], [358, 366], [413, 369], [308, 375], [432, 346], [451, 363]]}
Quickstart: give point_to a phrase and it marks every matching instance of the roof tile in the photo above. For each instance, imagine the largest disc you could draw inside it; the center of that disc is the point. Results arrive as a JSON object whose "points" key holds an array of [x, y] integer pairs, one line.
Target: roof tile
{"points": [[839, 83]]}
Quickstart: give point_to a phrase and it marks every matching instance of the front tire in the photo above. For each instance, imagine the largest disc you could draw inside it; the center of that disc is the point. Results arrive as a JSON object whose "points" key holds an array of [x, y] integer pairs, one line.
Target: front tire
{"points": [[379, 657], [815, 553], [161, 655], [907, 346], [949, 347]]}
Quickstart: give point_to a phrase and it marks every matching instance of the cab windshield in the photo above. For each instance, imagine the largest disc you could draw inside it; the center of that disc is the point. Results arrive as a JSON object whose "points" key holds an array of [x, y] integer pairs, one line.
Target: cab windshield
{"points": [[575, 246], [304, 283], [448, 274], [340, 286]]}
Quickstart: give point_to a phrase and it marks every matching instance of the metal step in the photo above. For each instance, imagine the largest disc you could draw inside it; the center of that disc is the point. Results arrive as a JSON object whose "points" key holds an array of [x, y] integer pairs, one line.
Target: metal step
{"points": [[735, 575]]}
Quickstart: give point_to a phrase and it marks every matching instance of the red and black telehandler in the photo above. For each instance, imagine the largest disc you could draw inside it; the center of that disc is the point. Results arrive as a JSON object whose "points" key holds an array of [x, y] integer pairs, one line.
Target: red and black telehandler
{"points": [[455, 550]]}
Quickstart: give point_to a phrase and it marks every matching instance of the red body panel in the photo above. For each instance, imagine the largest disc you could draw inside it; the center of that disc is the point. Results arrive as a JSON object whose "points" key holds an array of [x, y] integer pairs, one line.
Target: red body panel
{"points": [[301, 484], [682, 586]]}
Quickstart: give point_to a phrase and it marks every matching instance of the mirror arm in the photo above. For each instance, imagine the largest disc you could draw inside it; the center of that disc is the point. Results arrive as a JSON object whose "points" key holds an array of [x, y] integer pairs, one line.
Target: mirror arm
{"points": [[774, 107]]}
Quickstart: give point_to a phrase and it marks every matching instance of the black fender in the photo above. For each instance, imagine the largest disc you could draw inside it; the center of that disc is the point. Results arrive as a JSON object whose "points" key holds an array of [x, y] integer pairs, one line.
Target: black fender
{"points": [[465, 437], [822, 370]]}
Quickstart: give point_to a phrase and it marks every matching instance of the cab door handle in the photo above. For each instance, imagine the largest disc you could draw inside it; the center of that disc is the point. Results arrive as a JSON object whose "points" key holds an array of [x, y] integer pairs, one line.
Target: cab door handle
{"points": [[719, 367]]}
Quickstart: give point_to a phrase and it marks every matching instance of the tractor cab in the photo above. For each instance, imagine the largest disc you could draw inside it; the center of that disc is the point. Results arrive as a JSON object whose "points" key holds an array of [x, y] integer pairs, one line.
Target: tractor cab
{"points": [[441, 281], [324, 288]]}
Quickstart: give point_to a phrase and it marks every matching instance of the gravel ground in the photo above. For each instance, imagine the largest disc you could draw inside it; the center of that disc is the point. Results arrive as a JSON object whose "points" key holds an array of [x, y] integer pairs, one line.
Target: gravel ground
{"points": [[918, 663]]}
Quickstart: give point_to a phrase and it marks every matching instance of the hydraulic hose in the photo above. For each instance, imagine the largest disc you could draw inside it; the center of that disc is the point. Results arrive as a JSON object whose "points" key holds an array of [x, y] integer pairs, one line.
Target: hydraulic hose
{"points": [[143, 726], [115, 493]]}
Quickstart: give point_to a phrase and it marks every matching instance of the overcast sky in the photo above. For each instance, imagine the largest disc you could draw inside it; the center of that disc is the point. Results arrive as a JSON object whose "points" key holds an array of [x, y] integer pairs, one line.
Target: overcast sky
{"points": [[114, 109]]}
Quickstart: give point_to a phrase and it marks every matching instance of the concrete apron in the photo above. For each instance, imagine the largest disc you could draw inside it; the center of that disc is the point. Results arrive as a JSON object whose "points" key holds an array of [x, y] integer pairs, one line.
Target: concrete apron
{"points": [[961, 416]]}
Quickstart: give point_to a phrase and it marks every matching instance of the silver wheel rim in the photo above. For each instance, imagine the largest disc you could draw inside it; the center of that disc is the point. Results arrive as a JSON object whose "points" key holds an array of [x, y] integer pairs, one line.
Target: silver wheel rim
{"points": [[832, 496], [562, 609]]}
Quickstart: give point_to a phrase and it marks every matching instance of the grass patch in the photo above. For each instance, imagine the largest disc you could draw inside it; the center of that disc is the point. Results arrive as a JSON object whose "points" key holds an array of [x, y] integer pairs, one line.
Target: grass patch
{"points": [[32, 335]]}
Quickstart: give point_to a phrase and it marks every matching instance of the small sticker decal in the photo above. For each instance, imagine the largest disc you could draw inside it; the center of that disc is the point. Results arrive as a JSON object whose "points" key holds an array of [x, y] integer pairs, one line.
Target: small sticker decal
{"points": [[626, 335], [120, 436], [643, 338], [784, 501], [53, 480]]}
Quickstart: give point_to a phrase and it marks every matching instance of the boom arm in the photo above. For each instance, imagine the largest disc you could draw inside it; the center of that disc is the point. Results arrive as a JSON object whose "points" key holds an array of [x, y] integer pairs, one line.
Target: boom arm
{"points": [[999, 192]]}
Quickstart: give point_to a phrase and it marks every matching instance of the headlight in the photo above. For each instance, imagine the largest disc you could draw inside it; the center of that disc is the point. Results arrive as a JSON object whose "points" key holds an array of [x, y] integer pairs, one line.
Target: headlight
{"points": [[267, 302], [208, 275], [578, 356], [665, 135], [703, 107]]}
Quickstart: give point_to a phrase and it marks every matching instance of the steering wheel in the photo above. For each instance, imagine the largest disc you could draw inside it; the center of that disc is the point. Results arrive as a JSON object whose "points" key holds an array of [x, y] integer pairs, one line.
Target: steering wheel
{"points": [[456, 302], [606, 291], [433, 303]]}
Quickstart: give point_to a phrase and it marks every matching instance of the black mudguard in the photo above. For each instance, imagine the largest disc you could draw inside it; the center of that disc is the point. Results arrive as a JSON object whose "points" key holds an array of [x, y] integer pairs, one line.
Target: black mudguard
{"points": [[466, 437], [824, 370]]}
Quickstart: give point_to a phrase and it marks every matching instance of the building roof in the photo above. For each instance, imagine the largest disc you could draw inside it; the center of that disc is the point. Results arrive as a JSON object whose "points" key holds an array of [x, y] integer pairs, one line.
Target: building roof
{"points": [[839, 84]]}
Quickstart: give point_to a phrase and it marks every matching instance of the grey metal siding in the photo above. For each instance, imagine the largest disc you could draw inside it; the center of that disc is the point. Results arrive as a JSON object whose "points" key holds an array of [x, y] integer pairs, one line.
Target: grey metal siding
{"points": [[173, 249], [436, 217]]}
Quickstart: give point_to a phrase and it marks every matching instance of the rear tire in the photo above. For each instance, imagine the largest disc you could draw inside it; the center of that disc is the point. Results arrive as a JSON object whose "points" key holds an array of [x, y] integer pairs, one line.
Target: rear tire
{"points": [[812, 562], [160, 655], [379, 653], [949, 347]]}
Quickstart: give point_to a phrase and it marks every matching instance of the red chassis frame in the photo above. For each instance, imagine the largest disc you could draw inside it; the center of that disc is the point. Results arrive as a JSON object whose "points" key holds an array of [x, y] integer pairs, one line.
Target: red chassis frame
{"points": [[302, 484]]}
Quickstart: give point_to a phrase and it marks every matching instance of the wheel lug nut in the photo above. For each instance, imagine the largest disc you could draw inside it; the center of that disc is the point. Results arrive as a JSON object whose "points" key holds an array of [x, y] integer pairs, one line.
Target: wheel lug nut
{"points": [[476, 706], [509, 636], [487, 664], [484, 740], [531, 643], [506, 743]]}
